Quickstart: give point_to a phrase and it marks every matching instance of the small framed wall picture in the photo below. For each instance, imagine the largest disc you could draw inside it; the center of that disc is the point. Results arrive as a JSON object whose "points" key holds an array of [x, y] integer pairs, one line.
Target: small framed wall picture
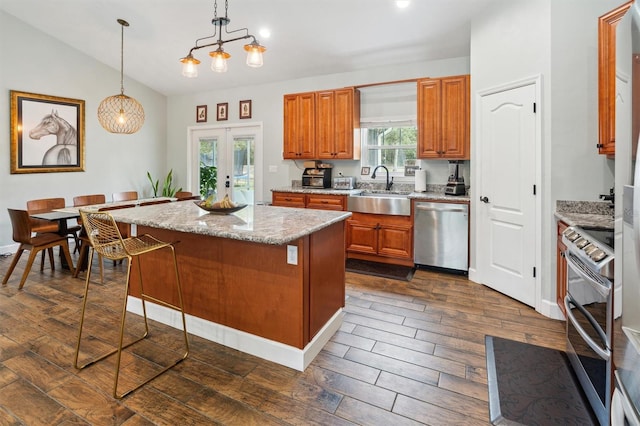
{"points": [[364, 171], [201, 114], [222, 111], [245, 109]]}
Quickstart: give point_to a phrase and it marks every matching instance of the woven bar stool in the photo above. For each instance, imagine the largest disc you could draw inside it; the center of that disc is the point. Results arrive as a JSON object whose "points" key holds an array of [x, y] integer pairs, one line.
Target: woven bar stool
{"points": [[106, 239]]}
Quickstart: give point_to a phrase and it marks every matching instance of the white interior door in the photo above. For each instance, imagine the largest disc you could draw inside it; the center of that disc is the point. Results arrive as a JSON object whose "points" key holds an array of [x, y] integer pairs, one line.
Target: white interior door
{"points": [[507, 207], [235, 152]]}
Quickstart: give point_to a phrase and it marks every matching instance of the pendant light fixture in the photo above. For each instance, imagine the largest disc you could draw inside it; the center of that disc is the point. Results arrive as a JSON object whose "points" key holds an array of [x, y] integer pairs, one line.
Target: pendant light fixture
{"points": [[121, 113], [219, 57]]}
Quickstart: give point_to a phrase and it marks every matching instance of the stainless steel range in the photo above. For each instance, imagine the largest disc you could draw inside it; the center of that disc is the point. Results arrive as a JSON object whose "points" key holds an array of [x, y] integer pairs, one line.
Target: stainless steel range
{"points": [[589, 307]]}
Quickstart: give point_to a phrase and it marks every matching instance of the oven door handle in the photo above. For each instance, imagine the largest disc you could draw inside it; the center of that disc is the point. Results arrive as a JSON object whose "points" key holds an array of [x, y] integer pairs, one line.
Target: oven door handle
{"points": [[602, 289], [603, 353]]}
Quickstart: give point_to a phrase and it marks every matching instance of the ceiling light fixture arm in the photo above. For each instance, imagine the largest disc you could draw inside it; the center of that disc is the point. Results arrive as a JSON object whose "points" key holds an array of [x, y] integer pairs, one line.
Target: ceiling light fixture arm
{"points": [[219, 56]]}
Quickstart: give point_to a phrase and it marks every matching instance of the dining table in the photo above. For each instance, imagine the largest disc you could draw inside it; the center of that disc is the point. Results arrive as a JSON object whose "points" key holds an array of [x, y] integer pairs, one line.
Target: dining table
{"points": [[63, 228]]}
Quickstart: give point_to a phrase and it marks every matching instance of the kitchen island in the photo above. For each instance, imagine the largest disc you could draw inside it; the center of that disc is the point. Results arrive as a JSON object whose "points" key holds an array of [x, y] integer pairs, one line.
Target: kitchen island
{"points": [[269, 281]]}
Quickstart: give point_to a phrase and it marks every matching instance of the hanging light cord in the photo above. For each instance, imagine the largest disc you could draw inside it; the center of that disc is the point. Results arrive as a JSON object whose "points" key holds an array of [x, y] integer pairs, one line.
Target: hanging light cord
{"points": [[123, 24]]}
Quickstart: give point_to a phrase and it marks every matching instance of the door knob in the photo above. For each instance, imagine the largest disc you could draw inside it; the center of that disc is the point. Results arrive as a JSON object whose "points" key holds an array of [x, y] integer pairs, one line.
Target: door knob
{"points": [[484, 199]]}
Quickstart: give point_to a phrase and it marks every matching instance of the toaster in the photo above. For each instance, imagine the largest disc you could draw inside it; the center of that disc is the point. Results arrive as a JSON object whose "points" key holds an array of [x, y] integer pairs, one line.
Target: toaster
{"points": [[344, 182]]}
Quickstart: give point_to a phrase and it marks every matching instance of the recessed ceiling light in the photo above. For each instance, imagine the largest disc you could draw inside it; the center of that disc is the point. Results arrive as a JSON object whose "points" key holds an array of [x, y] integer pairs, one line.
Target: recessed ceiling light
{"points": [[265, 32], [402, 3]]}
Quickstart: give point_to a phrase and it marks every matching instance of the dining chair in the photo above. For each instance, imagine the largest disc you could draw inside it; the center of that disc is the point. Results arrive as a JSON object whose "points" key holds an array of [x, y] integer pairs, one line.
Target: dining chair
{"points": [[45, 205], [125, 196], [183, 194], [23, 234], [81, 201], [106, 240], [186, 195]]}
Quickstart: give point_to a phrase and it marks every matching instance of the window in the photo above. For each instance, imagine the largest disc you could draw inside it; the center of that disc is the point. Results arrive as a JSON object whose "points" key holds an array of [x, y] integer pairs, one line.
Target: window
{"points": [[392, 146], [389, 134]]}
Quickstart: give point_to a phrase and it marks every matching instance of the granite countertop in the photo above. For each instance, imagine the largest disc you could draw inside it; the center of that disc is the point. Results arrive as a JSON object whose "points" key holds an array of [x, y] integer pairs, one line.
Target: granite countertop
{"points": [[430, 195], [586, 214], [260, 224]]}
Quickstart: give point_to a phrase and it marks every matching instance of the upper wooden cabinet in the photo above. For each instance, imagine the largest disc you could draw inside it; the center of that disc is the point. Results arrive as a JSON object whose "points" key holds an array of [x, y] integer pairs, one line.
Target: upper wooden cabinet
{"points": [[322, 125], [443, 117], [607, 79], [338, 124], [299, 126]]}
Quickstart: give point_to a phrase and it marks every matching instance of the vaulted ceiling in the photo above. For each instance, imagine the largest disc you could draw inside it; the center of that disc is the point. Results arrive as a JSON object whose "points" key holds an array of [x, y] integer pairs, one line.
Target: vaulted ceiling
{"points": [[308, 37]]}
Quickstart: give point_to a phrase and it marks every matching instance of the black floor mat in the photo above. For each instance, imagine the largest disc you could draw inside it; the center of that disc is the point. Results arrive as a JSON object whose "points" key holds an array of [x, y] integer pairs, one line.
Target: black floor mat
{"points": [[532, 385], [384, 270]]}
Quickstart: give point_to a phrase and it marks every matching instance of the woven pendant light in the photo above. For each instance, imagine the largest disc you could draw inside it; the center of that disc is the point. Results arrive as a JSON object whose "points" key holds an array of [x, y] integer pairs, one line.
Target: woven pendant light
{"points": [[121, 113]]}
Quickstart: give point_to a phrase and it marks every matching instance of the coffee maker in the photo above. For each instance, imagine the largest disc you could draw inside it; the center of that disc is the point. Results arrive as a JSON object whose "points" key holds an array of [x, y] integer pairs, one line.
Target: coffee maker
{"points": [[455, 183]]}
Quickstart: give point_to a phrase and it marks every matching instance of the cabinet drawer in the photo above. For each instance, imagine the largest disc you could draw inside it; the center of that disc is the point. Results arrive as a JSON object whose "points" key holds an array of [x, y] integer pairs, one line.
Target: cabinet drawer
{"points": [[287, 199], [326, 202]]}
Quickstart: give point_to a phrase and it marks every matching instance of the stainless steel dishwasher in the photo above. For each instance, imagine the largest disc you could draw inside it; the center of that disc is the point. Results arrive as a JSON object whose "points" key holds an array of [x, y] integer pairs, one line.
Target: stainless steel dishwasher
{"points": [[441, 235]]}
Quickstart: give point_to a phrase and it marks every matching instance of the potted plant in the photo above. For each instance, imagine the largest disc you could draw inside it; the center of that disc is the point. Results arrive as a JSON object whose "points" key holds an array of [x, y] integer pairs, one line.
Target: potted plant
{"points": [[167, 189]]}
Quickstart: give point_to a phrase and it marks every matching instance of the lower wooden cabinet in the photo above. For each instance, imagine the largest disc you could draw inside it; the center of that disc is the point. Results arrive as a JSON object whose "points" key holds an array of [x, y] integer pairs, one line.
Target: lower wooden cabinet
{"points": [[380, 238], [561, 269], [288, 199], [309, 201]]}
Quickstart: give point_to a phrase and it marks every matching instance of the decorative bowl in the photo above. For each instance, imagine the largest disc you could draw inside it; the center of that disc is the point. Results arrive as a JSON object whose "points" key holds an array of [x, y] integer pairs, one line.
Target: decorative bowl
{"points": [[219, 210]]}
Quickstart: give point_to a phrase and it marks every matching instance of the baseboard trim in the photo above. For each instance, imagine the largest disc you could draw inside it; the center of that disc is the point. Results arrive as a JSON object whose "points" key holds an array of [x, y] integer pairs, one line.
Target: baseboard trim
{"points": [[298, 359]]}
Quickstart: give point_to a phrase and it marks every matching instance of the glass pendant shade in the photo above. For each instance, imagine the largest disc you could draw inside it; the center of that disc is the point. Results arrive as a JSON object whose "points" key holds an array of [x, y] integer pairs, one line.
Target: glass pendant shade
{"points": [[190, 66], [254, 54], [120, 114], [219, 60]]}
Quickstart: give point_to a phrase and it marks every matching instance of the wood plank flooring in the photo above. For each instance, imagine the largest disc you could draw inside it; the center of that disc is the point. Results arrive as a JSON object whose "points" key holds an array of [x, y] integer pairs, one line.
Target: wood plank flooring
{"points": [[407, 353]]}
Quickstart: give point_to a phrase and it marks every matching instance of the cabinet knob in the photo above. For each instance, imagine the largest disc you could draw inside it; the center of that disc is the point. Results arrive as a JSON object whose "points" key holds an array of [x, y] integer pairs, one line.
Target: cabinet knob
{"points": [[484, 199]]}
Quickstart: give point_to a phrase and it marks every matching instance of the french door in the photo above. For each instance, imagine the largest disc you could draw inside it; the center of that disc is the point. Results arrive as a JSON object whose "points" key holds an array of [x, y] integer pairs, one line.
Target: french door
{"points": [[232, 155]]}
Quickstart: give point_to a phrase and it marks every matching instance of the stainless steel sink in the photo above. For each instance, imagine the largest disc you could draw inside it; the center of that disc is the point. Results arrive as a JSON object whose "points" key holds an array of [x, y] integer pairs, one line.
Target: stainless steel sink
{"points": [[380, 203]]}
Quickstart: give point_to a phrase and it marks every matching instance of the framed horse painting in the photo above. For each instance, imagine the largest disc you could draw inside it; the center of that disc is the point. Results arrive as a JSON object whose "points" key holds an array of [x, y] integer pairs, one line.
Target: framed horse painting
{"points": [[47, 133]]}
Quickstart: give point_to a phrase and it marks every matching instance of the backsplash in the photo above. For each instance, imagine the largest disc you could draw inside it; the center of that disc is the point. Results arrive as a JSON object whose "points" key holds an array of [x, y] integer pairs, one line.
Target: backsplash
{"points": [[397, 187], [585, 207]]}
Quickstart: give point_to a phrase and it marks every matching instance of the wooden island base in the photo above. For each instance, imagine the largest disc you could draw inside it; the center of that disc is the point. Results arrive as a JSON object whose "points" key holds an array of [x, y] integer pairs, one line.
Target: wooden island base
{"points": [[249, 296]]}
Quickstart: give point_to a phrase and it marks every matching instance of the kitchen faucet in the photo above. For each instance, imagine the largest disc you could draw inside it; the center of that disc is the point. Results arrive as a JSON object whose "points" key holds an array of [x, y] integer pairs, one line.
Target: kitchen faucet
{"points": [[389, 183]]}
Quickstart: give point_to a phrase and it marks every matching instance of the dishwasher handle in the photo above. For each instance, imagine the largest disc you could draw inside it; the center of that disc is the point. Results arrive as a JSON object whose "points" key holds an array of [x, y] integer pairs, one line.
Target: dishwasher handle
{"points": [[444, 208]]}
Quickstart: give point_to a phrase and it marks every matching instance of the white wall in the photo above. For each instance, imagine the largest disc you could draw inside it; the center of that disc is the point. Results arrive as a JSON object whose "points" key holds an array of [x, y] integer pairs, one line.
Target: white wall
{"points": [[557, 40], [267, 108], [33, 62]]}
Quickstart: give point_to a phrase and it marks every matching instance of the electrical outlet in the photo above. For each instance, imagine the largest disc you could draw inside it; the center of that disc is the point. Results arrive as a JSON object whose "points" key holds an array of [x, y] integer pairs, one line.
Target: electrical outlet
{"points": [[273, 169], [292, 255]]}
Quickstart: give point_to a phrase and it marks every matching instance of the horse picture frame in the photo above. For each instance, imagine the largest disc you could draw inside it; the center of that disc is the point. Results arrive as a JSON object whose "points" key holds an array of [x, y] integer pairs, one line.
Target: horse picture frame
{"points": [[47, 133]]}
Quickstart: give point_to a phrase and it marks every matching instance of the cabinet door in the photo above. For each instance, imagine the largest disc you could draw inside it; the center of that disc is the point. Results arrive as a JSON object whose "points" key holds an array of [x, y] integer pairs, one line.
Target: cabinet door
{"points": [[288, 199], [325, 129], [362, 237], [326, 202], [607, 79], [455, 117], [346, 124], [429, 118], [290, 135], [299, 126], [395, 241], [337, 124]]}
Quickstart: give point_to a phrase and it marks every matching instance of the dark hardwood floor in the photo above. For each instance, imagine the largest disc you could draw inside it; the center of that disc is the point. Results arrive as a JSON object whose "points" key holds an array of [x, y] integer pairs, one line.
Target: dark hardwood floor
{"points": [[407, 353]]}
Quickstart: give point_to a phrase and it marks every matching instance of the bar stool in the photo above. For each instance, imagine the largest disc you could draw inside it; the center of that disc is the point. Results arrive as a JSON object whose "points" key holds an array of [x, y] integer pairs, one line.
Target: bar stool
{"points": [[105, 238]]}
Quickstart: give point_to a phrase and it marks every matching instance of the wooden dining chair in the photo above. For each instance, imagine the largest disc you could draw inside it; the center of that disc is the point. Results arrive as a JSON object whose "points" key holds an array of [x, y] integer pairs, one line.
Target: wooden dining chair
{"points": [[186, 195], [125, 196], [45, 205], [81, 201], [23, 234]]}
